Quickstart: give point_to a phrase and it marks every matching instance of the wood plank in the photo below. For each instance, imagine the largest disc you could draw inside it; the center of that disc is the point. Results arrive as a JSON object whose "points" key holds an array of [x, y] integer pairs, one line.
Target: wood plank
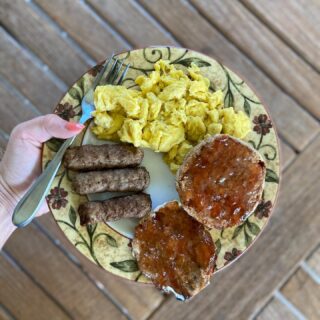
{"points": [[294, 124], [241, 290], [275, 310], [23, 73], [139, 300], [287, 155], [61, 278], [43, 39], [314, 261], [13, 108], [296, 21], [3, 142], [132, 22], [4, 313], [22, 297], [97, 38], [304, 293], [271, 54]]}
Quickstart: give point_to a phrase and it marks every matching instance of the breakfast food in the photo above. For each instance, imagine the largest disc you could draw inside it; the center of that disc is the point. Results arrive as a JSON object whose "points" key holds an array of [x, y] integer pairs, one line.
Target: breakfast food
{"points": [[172, 113], [221, 181], [106, 156], [175, 251], [132, 206], [113, 180]]}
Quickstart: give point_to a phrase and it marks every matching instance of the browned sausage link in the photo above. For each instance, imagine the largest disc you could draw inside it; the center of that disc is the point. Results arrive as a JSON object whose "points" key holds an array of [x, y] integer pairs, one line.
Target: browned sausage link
{"points": [[133, 206], [128, 179], [106, 156]]}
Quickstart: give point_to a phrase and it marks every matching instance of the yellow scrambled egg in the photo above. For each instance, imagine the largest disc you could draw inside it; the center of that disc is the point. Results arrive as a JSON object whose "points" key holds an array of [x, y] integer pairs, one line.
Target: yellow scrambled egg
{"points": [[171, 113]]}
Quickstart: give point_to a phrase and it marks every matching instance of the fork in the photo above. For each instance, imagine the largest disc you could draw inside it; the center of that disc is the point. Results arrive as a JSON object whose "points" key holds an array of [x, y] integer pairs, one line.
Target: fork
{"points": [[30, 203]]}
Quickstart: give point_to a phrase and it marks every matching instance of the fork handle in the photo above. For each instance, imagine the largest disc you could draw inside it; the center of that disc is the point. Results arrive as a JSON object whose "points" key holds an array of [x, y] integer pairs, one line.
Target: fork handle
{"points": [[31, 202]]}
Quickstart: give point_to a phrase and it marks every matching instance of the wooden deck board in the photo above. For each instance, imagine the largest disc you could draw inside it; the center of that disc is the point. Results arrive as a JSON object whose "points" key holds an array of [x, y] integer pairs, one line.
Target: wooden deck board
{"points": [[24, 74], [296, 21], [13, 109], [93, 35], [303, 292], [275, 310], [279, 61], [33, 31], [127, 17], [17, 289], [296, 126], [61, 278], [314, 261]]}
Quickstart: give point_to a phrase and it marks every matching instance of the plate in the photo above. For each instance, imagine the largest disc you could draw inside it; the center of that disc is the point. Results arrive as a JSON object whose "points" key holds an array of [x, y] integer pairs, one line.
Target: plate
{"points": [[109, 245]]}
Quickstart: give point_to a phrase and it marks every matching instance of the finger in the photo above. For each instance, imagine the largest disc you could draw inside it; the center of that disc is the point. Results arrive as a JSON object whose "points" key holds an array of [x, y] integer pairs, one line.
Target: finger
{"points": [[43, 128]]}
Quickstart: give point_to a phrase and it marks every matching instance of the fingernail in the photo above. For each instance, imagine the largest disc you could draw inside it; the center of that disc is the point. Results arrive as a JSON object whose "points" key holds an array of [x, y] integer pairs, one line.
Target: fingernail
{"points": [[73, 126]]}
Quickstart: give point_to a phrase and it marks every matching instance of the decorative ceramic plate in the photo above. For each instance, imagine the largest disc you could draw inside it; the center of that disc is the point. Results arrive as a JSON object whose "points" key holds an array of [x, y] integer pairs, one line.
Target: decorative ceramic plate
{"points": [[108, 245]]}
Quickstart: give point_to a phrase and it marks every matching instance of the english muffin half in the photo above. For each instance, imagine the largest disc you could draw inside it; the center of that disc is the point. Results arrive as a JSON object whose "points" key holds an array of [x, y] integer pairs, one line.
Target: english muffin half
{"points": [[221, 181], [175, 251]]}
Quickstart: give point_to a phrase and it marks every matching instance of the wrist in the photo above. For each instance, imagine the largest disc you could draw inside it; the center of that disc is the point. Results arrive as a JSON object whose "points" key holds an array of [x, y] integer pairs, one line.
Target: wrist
{"points": [[8, 202]]}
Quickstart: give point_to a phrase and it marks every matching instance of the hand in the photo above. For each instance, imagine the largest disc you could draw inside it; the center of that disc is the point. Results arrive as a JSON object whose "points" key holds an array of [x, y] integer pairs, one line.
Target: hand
{"points": [[21, 163]]}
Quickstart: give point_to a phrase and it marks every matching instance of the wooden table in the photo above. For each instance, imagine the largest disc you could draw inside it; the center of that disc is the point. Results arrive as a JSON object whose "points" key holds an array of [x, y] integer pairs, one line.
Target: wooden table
{"points": [[46, 45]]}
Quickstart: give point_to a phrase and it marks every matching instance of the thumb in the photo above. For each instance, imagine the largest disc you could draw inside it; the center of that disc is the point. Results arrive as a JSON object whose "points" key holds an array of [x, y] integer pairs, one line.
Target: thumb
{"points": [[43, 128]]}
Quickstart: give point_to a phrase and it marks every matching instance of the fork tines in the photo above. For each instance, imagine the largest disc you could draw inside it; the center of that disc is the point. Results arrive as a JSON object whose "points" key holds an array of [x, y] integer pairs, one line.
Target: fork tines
{"points": [[115, 72]]}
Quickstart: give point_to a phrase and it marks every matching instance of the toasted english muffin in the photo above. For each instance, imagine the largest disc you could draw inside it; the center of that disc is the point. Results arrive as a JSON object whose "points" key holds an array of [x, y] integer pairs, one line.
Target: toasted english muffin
{"points": [[221, 181]]}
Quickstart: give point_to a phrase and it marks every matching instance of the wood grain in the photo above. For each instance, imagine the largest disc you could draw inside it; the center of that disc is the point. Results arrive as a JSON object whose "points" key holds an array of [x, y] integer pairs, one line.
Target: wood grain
{"points": [[22, 297], [95, 37], [314, 261], [61, 278], [272, 55], [13, 109], [191, 30], [242, 289], [298, 23], [18, 68], [43, 39], [275, 310], [4, 314], [128, 18], [304, 293], [287, 155], [139, 300]]}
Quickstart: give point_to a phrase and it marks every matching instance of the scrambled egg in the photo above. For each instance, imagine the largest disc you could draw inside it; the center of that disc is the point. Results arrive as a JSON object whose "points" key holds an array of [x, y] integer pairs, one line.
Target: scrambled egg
{"points": [[172, 112]]}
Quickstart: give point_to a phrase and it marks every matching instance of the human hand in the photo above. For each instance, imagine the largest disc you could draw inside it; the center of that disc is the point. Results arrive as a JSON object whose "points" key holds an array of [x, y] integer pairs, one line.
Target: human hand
{"points": [[21, 163]]}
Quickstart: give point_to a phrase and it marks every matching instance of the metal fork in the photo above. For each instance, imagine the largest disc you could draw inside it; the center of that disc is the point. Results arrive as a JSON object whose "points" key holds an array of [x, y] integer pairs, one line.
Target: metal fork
{"points": [[29, 205]]}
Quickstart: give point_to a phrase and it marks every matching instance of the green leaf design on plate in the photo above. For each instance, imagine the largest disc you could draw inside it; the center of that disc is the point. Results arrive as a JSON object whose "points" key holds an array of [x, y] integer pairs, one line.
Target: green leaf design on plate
{"points": [[91, 228], [126, 265], [111, 241], [236, 231], [199, 62], [47, 163], [253, 228], [54, 144], [72, 215], [228, 99], [247, 239], [271, 176], [75, 94], [247, 107], [218, 246]]}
